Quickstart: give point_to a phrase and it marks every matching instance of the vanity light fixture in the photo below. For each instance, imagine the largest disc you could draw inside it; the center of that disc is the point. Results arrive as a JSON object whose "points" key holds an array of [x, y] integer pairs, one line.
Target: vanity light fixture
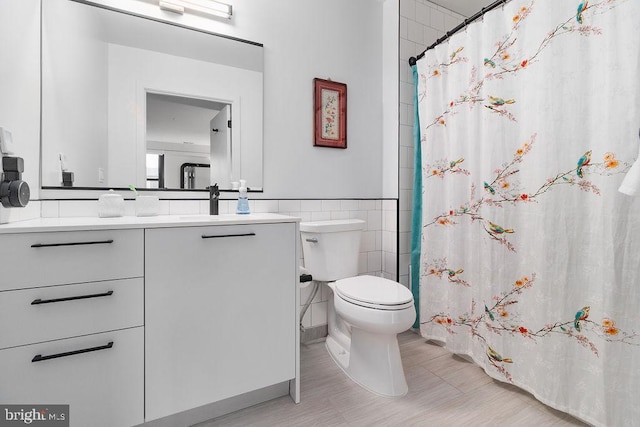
{"points": [[208, 7]]}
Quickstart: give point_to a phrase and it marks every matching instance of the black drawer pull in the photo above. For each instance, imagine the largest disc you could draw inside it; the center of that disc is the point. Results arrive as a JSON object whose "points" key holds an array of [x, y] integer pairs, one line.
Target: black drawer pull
{"points": [[47, 301], [40, 358], [204, 236], [51, 245]]}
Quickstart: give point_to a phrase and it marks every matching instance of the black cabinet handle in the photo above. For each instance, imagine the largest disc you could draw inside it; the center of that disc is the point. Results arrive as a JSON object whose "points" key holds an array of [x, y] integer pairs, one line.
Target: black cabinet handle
{"points": [[50, 245], [47, 301], [204, 236], [40, 358]]}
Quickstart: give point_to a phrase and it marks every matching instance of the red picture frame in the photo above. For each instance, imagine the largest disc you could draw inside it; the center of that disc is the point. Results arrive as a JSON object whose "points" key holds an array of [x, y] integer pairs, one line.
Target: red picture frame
{"points": [[330, 113]]}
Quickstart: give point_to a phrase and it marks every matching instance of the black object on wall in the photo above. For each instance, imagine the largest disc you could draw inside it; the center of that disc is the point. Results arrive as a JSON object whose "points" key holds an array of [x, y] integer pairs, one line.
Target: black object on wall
{"points": [[14, 192]]}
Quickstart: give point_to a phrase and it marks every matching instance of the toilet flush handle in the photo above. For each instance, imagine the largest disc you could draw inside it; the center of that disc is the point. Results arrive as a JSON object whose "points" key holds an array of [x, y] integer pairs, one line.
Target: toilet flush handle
{"points": [[312, 239]]}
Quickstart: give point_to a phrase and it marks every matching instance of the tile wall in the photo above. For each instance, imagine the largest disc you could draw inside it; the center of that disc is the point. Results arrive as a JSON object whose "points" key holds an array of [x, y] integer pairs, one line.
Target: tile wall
{"points": [[421, 24]]}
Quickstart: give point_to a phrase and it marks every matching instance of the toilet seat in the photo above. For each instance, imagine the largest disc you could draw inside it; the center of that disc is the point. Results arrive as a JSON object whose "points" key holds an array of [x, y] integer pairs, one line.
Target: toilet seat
{"points": [[374, 292]]}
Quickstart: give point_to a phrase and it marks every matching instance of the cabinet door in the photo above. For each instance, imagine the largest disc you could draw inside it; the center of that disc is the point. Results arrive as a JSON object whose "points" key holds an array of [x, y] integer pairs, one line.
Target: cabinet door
{"points": [[103, 387], [219, 313]]}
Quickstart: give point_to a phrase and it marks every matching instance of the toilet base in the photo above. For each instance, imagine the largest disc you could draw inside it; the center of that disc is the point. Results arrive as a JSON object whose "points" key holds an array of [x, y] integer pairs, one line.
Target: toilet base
{"points": [[372, 361]]}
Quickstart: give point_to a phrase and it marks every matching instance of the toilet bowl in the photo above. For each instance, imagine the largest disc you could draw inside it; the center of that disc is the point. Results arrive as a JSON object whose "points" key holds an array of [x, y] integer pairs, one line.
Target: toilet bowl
{"points": [[365, 313]]}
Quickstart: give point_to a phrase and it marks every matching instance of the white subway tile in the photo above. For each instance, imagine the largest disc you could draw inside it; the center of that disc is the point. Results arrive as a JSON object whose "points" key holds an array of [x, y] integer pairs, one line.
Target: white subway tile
{"points": [[366, 205], [224, 206], [289, 205], [407, 49], [374, 261], [404, 280], [362, 263], [319, 314], [405, 242], [267, 206], [390, 219], [388, 205], [340, 215], [368, 241], [406, 136], [415, 32], [49, 209], [374, 220], [330, 205], [363, 215], [431, 35], [408, 8], [310, 205], [450, 22], [349, 205], [437, 20], [405, 221], [404, 23], [320, 216], [326, 291], [423, 14], [407, 92], [389, 241], [390, 263], [184, 207], [406, 178], [306, 216], [77, 208]]}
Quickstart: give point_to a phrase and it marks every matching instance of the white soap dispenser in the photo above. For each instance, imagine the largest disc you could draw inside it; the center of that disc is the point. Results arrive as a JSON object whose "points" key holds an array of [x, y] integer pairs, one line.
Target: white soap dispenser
{"points": [[243, 201]]}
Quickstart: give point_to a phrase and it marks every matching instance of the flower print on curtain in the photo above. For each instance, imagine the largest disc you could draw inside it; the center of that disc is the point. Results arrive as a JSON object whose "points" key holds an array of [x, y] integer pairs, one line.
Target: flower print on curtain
{"points": [[531, 257]]}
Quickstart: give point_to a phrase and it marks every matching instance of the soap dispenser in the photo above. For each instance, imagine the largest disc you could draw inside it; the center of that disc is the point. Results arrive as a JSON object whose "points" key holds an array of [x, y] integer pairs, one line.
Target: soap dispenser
{"points": [[243, 201]]}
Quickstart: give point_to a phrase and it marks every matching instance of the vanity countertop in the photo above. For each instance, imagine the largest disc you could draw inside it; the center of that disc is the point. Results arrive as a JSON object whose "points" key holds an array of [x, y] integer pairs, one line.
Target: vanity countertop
{"points": [[94, 223]]}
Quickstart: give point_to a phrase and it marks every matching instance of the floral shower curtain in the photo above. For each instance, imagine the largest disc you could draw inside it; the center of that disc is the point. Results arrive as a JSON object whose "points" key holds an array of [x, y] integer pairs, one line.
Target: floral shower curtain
{"points": [[530, 258]]}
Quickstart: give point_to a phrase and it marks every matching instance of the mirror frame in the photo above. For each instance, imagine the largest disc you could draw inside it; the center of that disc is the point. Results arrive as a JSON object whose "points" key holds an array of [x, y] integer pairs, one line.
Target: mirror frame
{"points": [[48, 192]]}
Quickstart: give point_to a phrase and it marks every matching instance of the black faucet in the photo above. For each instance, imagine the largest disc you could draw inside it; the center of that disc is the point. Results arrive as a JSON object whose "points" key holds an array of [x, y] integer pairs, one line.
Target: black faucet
{"points": [[214, 195]]}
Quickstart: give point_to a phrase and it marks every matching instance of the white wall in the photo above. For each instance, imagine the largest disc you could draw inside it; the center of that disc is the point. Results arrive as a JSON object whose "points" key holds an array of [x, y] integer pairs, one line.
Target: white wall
{"points": [[336, 39], [74, 88], [20, 95], [133, 71]]}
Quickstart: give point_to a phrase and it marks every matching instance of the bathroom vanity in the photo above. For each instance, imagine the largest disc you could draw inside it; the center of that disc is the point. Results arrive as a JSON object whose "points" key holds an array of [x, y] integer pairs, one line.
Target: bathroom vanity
{"points": [[162, 320]]}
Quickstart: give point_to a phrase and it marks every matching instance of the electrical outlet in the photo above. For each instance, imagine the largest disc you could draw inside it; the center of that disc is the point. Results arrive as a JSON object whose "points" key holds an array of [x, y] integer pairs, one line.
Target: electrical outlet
{"points": [[6, 142], [101, 175]]}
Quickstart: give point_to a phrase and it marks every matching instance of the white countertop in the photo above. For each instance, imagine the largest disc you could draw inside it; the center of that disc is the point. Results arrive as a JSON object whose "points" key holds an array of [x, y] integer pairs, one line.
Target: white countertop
{"points": [[95, 223]]}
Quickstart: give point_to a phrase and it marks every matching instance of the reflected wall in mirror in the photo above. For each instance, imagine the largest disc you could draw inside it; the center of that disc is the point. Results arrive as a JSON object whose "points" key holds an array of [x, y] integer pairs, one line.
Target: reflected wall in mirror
{"points": [[120, 90], [194, 138]]}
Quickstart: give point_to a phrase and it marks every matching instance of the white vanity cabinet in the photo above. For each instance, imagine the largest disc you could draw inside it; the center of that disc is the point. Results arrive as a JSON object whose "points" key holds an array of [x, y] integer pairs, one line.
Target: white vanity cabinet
{"points": [[71, 323], [220, 307]]}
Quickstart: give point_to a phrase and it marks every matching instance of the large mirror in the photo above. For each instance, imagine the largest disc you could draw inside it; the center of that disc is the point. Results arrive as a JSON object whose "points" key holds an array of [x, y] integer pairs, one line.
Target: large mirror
{"points": [[129, 100]]}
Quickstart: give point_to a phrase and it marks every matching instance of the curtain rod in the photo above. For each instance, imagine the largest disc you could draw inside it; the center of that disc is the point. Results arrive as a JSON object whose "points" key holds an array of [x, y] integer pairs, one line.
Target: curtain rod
{"points": [[495, 4]]}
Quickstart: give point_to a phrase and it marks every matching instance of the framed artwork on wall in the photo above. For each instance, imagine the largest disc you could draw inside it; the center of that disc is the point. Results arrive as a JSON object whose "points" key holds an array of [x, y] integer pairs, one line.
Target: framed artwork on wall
{"points": [[330, 114]]}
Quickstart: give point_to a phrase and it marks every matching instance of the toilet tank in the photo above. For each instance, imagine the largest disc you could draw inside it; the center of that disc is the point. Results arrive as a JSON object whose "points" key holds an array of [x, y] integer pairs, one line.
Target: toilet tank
{"points": [[331, 248]]}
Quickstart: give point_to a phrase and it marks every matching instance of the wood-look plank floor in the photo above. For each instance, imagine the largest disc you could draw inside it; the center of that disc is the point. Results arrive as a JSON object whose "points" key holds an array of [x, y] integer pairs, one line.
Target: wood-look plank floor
{"points": [[444, 390]]}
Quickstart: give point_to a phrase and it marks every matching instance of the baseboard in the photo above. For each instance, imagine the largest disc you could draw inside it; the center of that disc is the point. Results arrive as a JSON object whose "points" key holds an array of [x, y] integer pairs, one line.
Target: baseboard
{"points": [[218, 409]]}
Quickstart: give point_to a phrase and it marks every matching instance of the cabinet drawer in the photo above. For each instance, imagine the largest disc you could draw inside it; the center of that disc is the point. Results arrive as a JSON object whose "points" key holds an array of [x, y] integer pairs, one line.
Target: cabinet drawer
{"points": [[42, 259], [104, 387], [44, 314]]}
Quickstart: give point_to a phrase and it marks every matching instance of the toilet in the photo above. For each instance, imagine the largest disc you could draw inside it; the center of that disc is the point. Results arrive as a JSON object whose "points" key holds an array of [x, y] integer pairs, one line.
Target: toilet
{"points": [[365, 313]]}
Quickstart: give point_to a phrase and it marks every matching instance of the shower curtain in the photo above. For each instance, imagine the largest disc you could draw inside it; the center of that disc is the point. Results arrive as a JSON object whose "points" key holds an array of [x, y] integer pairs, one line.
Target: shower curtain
{"points": [[530, 259]]}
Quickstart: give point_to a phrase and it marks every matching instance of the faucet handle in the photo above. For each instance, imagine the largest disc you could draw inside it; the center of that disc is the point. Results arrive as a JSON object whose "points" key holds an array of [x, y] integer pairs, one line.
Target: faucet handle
{"points": [[214, 190]]}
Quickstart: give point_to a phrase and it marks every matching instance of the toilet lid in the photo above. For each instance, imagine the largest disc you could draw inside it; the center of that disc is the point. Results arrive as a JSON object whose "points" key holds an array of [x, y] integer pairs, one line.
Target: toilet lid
{"points": [[373, 290]]}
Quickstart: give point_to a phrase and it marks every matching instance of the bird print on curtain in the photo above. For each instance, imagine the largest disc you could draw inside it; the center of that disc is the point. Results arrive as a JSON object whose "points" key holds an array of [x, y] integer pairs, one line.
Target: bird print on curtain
{"points": [[516, 190]]}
